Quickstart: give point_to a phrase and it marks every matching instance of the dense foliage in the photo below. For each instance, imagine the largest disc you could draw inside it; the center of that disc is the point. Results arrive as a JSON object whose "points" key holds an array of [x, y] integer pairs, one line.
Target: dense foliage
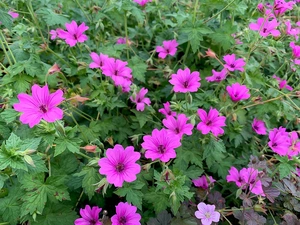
{"points": [[149, 112]]}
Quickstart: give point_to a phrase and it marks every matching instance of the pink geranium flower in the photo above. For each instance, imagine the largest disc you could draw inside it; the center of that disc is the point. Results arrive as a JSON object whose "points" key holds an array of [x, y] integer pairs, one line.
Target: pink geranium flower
{"points": [[90, 216], [168, 48], [53, 34], [211, 122], [142, 2], [235, 176], [116, 68], [185, 81], [126, 215], [232, 64], [166, 110], [203, 181], [207, 214], [247, 177], [121, 41], [13, 14], [140, 100], [217, 76], [41, 105], [279, 141], [294, 148], [178, 126], [98, 60], [259, 126], [238, 92], [120, 165], [296, 53], [280, 6], [161, 145], [250, 177], [282, 83], [292, 31], [73, 34], [122, 82], [266, 27]]}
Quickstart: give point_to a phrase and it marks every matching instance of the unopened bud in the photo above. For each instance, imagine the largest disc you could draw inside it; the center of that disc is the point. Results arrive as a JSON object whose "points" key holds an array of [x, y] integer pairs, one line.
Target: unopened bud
{"points": [[90, 148], [210, 53], [29, 160], [54, 69]]}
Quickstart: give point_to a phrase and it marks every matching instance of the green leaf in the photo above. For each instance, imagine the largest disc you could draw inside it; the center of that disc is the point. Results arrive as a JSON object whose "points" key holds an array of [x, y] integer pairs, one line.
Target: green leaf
{"points": [[214, 152], [9, 115], [152, 198], [38, 192], [138, 67], [52, 18], [91, 176], [132, 195], [32, 143], [10, 206], [13, 142], [6, 19], [71, 144], [54, 213], [3, 178]]}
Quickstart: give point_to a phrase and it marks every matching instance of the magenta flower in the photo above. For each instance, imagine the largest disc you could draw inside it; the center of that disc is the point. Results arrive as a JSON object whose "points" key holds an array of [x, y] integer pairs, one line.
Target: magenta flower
{"points": [[140, 100], [126, 215], [279, 141], [282, 83], [292, 31], [98, 60], [123, 83], [120, 165], [217, 76], [53, 34], [250, 177], [266, 27], [280, 6], [41, 105], [13, 14], [90, 216], [142, 2], [166, 110], [160, 145], [294, 148], [73, 34], [238, 92], [232, 64], [207, 214], [203, 181], [116, 68], [296, 53], [235, 176], [211, 122], [185, 81], [168, 48], [121, 41], [259, 126], [178, 126]]}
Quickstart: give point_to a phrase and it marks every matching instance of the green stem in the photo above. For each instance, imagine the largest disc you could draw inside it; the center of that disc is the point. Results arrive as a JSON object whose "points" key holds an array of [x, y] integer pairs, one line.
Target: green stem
{"points": [[219, 12], [126, 35], [195, 11], [186, 51], [54, 53], [12, 55], [82, 9], [5, 52], [83, 155]]}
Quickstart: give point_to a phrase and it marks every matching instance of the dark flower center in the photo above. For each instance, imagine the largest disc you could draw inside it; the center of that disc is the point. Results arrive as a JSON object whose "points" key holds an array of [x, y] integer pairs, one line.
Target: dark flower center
{"points": [[120, 167], [232, 65], [255, 127], [93, 222], [274, 144], [208, 123], [43, 108], [122, 220], [264, 30], [161, 149], [218, 78], [116, 73], [177, 130], [185, 84], [138, 100]]}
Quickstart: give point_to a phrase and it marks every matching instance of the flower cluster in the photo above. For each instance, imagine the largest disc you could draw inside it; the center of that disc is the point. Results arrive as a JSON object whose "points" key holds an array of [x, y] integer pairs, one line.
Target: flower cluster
{"points": [[116, 69], [246, 177], [283, 142]]}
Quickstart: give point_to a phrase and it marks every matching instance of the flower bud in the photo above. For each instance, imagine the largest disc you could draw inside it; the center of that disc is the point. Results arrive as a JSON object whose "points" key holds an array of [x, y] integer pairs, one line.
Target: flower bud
{"points": [[210, 53]]}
